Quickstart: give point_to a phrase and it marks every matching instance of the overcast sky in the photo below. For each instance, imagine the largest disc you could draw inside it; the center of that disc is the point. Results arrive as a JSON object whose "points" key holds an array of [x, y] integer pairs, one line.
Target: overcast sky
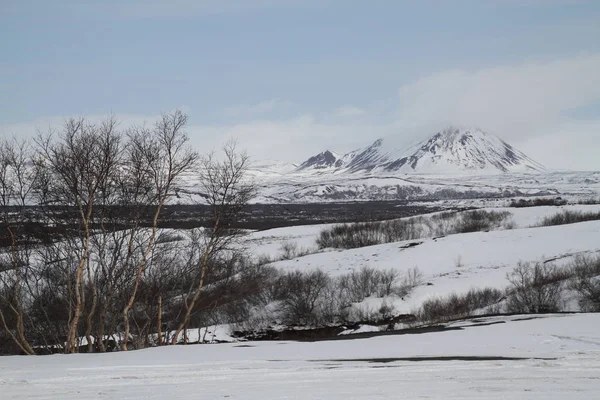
{"points": [[290, 78]]}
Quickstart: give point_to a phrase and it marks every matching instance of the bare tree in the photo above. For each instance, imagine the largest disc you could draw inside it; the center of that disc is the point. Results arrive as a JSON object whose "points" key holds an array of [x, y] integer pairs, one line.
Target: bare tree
{"points": [[16, 183], [80, 162], [160, 156], [87, 260], [228, 191]]}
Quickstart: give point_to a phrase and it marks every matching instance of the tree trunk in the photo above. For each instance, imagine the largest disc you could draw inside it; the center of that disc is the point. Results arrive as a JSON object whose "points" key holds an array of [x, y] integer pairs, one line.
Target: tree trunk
{"points": [[138, 275], [74, 323], [190, 307], [159, 321], [88, 330], [72, 335], [101, 322], [18, 307]]}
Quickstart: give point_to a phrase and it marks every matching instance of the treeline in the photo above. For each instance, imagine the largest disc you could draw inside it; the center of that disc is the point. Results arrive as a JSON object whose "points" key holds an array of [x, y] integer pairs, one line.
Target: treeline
{"points": [[88, 269]]}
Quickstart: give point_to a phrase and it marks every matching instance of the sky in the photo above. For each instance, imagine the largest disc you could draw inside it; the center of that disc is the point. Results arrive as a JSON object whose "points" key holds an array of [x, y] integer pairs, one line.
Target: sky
{"points": [[291, 78]]}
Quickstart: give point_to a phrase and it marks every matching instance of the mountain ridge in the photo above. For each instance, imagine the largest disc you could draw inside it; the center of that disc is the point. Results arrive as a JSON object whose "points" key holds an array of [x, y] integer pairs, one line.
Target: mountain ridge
{"points": [[452, 150]]}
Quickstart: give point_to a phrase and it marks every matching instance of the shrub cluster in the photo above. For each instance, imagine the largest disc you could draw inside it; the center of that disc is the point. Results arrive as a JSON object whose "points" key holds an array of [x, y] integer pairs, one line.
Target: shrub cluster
{"points": [[362, 234], [589, 201], [313, 298], [570, 217], [349, 236], [458, 305], [480, 220], [521, 203], [533, 288]]}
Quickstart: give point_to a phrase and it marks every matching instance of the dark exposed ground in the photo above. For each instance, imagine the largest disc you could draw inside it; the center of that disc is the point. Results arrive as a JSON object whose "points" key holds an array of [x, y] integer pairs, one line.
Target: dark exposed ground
{"points": [[332, 332], [255, 216], [267, 216]]}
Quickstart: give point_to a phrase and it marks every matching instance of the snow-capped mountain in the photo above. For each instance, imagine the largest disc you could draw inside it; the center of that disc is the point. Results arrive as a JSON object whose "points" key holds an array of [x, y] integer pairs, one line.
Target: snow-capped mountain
{"points": [[453, 150], [464, 150], [322, 161], [327, 161]]}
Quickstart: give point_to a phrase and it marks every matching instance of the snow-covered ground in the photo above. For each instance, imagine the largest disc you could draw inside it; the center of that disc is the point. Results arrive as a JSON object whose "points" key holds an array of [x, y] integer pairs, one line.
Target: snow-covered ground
{"points": [[269, 242], [317, 188], [451, 264], [555, 357], [457, 263], [517, 357], [532, 216], [280, 184]]}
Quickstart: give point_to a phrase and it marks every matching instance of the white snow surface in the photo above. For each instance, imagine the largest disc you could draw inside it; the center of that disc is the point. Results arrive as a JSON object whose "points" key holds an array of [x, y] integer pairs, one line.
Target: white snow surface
{"points": [[558, 358], [268, 242], [458, 263]]}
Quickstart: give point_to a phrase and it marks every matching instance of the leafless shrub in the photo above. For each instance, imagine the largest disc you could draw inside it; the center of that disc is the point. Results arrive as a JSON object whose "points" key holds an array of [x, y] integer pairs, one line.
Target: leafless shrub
{"points": [[169, 237], [301, 296], [290, 250], [411, 279], [586, 282], [535, 288], [366, 282], [314, 298], [264, 259], [360, 284], [458, 306], [480, 220]]}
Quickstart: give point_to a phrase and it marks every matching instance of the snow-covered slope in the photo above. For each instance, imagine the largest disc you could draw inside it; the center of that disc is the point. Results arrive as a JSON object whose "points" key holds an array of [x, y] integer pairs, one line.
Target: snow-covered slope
{"points": [[464, 150], [327, 161], [457, 263], [268, 242], [271, 168]]}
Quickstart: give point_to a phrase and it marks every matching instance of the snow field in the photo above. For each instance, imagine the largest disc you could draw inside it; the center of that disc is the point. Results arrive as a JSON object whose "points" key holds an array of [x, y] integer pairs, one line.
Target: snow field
{"points": [[561, 359]]}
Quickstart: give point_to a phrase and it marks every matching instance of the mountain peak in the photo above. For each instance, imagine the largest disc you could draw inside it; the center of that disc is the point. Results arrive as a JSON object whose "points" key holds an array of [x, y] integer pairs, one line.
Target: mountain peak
{"points": [[457, 149], [452, 150], [322, 161]]}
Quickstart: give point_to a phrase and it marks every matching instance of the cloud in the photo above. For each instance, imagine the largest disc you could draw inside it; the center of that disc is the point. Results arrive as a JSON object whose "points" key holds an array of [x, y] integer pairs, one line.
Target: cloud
{"points": [[572, 145], [348, 111], [265, 107], [511, 101], [532, 105], [291, 139]]}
